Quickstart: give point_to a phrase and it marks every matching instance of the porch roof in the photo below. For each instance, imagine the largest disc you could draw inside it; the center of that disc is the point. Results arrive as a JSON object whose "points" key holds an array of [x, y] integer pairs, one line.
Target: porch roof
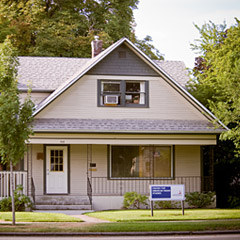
{"points": [[124, 126]]}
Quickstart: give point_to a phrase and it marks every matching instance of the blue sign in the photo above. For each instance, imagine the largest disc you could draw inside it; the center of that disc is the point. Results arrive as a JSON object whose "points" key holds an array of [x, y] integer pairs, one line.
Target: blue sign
{"points": [[161, 192], [167, 192]]}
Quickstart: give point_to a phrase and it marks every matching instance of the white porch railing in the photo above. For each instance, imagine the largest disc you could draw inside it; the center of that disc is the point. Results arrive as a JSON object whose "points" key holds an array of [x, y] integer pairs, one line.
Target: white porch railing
{"points": [[19, 178]]}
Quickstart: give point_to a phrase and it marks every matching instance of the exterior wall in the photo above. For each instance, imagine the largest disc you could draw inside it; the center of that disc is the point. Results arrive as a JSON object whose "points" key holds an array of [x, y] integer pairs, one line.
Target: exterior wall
{"points": [[38, 169], [187, 161], [80, 101], [122, 61], [78, 169], [35, 96]]}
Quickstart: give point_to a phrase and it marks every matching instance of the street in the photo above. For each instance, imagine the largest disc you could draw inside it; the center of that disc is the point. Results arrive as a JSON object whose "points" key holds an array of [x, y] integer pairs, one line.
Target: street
{"points": [[180, 237]]}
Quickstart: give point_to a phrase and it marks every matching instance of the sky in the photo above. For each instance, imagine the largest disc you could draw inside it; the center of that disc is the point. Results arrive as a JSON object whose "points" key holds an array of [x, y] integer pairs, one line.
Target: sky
{"points": [[170, 23]]}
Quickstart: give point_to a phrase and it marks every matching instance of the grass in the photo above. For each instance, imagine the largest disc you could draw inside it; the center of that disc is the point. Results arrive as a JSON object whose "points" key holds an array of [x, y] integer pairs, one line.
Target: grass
{"points": [[124, 227], [166, 215], [164, 226], [127, 221], [38, 217]]}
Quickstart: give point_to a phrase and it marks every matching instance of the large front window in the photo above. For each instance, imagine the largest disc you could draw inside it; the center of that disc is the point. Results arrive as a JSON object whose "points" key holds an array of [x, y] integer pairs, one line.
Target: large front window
{"points": [[141, 162], [123, 93]]}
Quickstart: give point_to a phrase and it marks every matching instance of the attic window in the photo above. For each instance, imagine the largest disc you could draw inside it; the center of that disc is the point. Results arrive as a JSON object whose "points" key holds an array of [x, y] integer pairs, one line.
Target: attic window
{"points": [[121, 54], [122, 93]]}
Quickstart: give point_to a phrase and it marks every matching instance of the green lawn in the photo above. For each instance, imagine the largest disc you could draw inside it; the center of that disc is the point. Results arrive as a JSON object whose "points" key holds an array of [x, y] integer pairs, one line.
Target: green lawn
{"points": [[124, 226], [166, 215], [165, 226], [38, 217]]}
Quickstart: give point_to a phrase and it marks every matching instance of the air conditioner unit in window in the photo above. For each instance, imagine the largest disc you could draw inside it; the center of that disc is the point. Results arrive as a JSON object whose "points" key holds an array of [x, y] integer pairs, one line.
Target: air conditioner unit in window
{"points": [[111, 99]]}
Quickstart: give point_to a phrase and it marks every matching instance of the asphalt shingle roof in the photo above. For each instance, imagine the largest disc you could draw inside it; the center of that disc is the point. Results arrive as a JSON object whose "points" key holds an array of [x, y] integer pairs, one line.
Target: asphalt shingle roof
{"points": [[123, 125], [48, 73]]}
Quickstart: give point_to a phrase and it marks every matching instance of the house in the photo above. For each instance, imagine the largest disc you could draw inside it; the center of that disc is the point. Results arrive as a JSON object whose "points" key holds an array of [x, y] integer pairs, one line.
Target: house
{"points": [[114, 123]]}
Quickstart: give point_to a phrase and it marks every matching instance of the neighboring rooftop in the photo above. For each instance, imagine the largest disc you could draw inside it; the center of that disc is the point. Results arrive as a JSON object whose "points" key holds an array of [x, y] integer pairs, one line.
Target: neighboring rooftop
{"points": [[48, 73]]}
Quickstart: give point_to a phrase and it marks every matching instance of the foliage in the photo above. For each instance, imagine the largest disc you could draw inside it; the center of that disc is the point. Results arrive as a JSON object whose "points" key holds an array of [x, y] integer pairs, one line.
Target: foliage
{"points": [[134, 200], [200, 200], [234, 201], [15, 117], [21, 201], [146, 46], [66, 28], [165, 204], [217, 73]]}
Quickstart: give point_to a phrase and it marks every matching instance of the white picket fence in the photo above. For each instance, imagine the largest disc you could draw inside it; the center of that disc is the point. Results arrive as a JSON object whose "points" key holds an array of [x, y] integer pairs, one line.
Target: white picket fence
{"points": [[19, 178]]}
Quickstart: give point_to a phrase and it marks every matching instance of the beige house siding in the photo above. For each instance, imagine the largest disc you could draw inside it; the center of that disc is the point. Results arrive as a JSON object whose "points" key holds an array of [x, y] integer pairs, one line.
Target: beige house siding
{"points": [[99, 156], [78, 169], [80, 101], [37, 169], [188, 161], [36, 97]]}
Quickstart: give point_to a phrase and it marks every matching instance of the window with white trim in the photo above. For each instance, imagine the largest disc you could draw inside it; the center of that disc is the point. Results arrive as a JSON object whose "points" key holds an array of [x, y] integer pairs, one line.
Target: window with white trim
{"points": [[123, 93]]}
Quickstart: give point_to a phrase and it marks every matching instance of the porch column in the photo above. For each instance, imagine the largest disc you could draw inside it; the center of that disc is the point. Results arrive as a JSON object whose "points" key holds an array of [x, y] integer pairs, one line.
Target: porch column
{"points": [[29, 170]]}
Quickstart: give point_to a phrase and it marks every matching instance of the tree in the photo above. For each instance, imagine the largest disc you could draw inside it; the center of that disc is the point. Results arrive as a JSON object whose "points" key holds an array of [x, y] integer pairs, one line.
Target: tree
{"points": [[15, 117], [146, 46], [216, 83], [63, 28], [217, 75]]}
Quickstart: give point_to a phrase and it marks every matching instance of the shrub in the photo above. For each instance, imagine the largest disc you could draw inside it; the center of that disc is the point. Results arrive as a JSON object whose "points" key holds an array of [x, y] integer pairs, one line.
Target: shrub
{"points": [[134, 200], [234, 202], [166, 204], [21, 201], [200, 200]]}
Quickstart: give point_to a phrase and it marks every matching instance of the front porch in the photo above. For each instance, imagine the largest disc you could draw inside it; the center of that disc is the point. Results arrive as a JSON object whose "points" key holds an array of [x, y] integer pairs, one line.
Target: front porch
{"points": [[99, 186], [96, 173]]}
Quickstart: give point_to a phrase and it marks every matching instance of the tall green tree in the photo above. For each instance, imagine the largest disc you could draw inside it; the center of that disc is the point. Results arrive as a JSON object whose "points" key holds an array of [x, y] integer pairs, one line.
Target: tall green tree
{"points": [[217, 75], [66, 28], [15, 116], [216, 83]]}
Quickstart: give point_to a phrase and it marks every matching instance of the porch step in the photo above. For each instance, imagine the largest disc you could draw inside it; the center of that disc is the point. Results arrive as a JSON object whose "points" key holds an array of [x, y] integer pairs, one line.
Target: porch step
{"points": [[62, 207], [61, 202]]}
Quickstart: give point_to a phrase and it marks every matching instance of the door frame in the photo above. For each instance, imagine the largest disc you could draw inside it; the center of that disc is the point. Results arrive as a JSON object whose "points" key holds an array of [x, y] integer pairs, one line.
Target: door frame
{"points": [[45, 168]]}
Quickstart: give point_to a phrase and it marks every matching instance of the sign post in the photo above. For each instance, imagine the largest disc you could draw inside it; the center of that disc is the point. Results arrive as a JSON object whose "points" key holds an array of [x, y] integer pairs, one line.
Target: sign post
{"points": [[167, 193]]}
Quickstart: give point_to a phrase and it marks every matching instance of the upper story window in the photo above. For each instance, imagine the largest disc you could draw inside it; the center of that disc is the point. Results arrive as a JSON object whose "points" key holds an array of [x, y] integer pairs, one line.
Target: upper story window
{"points": [[123, 93]]}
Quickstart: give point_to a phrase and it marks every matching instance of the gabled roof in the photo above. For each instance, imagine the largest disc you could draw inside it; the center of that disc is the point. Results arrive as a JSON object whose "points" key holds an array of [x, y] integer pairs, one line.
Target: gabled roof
{"points": [[48, 73], [92, 62]]}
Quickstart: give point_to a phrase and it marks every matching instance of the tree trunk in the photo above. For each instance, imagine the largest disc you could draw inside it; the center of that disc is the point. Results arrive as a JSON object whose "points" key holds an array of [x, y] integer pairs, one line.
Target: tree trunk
{"points": [[12, 192]]}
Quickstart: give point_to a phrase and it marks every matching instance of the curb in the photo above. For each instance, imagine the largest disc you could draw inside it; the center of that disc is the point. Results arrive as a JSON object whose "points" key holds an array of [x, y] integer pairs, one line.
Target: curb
{"points": [[118, 233]]}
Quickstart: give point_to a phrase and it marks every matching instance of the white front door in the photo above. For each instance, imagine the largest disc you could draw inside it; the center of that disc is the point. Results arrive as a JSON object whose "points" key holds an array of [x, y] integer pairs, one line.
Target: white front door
{"points": [[57, 169]]}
